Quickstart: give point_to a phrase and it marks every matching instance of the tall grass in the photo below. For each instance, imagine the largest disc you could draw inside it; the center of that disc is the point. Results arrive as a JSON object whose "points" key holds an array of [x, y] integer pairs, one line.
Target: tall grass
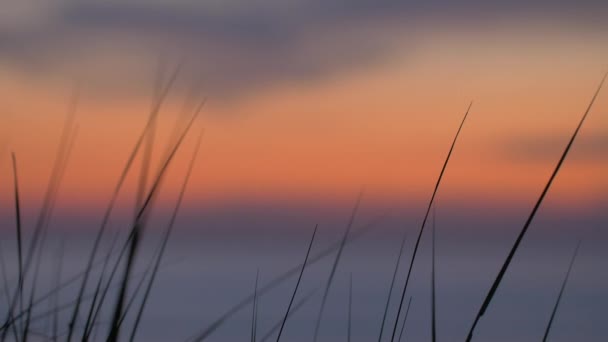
{"points": [[130, 302], [146, 132]]}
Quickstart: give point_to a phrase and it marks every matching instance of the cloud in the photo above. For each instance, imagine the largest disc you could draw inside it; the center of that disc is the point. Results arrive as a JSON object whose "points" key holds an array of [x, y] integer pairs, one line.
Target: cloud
{"points": [[238, 46], [587, 148]]}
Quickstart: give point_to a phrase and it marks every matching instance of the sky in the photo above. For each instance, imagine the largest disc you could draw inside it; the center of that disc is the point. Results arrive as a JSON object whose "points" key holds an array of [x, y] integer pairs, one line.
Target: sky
{"points": [[308, 102]]}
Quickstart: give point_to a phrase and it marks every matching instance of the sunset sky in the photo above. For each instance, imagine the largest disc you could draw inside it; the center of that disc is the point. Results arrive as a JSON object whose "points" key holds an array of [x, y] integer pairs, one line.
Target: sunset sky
{"points": [[310, 101]]}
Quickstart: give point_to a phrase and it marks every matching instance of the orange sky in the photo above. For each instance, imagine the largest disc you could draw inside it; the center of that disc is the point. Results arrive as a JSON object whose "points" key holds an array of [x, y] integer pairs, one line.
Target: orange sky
{"points": [[385, 126]]}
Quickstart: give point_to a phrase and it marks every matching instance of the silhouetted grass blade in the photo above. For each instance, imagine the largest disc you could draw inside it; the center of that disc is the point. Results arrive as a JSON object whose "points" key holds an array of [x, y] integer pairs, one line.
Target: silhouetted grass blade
{"points": [[561, 292], [295, 290], [523, 231], [335, 266], [426, 215]]}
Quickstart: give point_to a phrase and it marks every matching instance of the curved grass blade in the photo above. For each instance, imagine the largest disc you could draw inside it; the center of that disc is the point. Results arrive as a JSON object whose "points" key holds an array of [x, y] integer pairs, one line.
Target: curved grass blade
{"points": [[426, 215]]}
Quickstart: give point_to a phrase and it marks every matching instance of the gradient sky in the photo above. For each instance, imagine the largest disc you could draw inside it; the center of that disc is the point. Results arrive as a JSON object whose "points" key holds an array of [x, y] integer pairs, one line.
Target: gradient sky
{"points": [[310, 101]]}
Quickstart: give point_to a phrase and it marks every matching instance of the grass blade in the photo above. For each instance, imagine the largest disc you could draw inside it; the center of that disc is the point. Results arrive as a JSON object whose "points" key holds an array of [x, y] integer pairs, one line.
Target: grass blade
{"points": [[47, 204], [390, 290], [335, 266], [350, 307], [407, 310], [561, 292], [433, 287], [254, 315], [426, 215], [166, 237], [90, 316], [149, 126], [106, 217], [26, 327], [55, 299], [295, 290], [19, 236], [139, 286], [134, 237], [293, 310], [505, 265], [5, 284]]}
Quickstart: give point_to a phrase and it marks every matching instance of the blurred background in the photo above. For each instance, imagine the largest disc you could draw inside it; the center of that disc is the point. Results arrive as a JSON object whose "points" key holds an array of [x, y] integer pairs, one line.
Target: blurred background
{"points": [[307, 103]]}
